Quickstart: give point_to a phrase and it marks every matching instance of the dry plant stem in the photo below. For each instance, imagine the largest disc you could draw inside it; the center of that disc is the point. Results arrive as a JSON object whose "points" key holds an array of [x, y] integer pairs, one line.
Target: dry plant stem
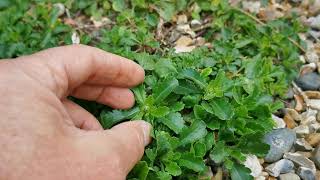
{"points": [[264, 24], [304, 96]]}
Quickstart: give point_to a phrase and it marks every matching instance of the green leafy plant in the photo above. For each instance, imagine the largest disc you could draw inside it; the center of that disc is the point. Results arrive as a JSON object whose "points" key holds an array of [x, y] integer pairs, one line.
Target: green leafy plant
{"points": [[209, 108]]}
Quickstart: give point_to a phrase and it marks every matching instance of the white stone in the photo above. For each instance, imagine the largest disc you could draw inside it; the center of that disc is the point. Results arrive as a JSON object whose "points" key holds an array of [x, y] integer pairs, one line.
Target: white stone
{"points": [[302, 130], [252, 162], [181, 49], [312, 56], [195, 23], [314, 104], [279, 122], [182, 19], [185, 28], [314, 22], [251, 6]]}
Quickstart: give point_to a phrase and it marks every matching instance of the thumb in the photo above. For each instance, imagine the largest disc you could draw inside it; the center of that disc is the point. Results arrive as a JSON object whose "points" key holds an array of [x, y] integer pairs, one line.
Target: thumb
{"points": [[120, 147]]}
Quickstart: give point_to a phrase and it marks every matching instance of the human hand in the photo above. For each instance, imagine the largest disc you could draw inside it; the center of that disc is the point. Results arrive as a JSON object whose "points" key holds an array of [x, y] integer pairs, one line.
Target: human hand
{"points": [[45, 136]]}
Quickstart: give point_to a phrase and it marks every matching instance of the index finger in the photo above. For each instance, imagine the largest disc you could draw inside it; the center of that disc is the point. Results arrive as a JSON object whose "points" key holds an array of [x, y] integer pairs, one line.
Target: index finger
{"points": [[63, 69]]}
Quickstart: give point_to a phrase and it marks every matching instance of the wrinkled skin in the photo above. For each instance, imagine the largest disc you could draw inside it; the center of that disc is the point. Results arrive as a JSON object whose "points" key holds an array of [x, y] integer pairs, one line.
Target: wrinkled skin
{"points": [[45, 136]]}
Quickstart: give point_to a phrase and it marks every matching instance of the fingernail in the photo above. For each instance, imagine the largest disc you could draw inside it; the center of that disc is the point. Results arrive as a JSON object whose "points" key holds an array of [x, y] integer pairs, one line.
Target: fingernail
{"points": [[146, 127]]}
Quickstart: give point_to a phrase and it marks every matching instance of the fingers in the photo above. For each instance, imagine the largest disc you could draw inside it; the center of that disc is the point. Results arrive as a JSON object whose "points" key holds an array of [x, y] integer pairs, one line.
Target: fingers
{"points": [[115, 97], [62, 69], [80, 117], [131, 138], [122, 146]]}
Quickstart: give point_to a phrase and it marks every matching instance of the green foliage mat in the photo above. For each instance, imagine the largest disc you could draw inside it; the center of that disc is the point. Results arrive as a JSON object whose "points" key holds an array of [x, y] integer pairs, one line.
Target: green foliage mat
{"points": [[209, 107]]}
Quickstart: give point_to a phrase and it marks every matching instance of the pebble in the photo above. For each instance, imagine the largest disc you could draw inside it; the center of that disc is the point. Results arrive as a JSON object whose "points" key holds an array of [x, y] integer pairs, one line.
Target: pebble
{"points": [[309, 81], [302, 145], [305, 154], [182, 19], [252, 162], [314, 104], [309, 117], [314, 22], [306, 173], [308, 68], [251, 6], [318, 116], [318, 175], [313, 139], [279, 122], [280, 167], [312, 94], [299, 103], [185, 29], [300, 161], [289, 176], [195, 23], [316, 156], [280, 141], [312, 57], [184, 41], [314, 34], [294, 114], [315, 127], [289, 121], [315, 7], [302, 130]]}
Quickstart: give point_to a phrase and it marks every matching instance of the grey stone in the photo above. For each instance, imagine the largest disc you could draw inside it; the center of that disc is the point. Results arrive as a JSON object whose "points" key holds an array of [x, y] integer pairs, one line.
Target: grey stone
{"points": [[280, 141], [302, 130], [300, 161], [314, 22], [289, 176], [306, 173], [302, 145], [280, 167], [309, 81], [316, 156], [312, 57]]}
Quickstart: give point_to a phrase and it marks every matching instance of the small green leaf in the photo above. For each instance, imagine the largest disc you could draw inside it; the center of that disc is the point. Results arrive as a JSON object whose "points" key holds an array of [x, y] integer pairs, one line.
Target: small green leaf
{"points": [[240, 172], [192, 162], [160, 111], [199, 149], [164, 89], [206, 72], [140, 94], [178, 106], [222, 108], [219, 152], [108, 119], [196, 131], [194, 76], [140, 171], [243, 43], [173, 169], [164, 68], [186, 87], [118, 5], [174, 121], [216, 87]]}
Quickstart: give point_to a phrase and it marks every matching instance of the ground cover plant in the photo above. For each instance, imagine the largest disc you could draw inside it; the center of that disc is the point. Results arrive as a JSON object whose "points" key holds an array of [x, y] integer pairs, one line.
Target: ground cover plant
{"points": [[209, 108]]}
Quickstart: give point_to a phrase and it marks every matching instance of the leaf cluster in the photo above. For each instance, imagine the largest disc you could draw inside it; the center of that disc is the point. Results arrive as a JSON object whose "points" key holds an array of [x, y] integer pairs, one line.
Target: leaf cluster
{"points": [[209, 107]]}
